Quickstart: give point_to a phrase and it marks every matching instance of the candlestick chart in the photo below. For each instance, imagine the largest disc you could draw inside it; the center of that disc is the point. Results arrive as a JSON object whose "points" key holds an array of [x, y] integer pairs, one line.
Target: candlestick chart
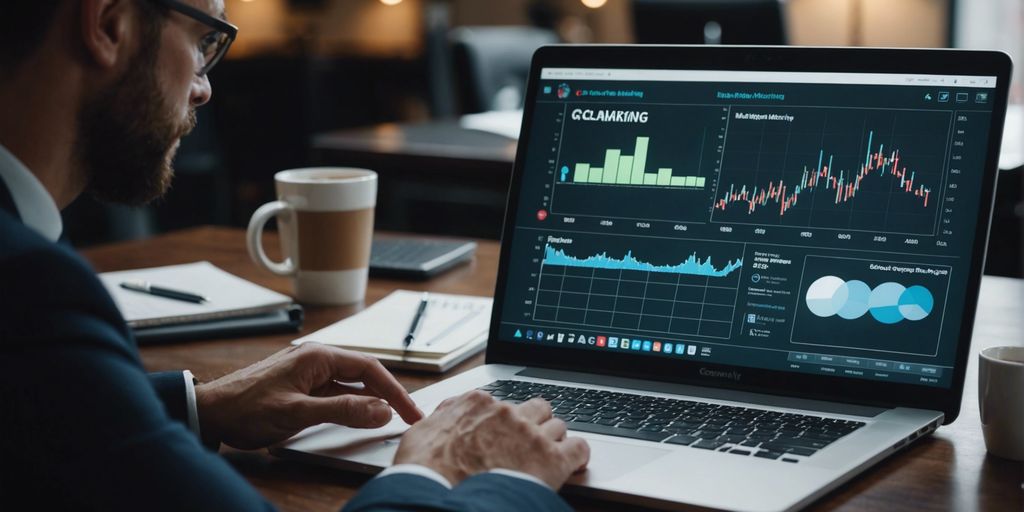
{"points": [[849, 169]]}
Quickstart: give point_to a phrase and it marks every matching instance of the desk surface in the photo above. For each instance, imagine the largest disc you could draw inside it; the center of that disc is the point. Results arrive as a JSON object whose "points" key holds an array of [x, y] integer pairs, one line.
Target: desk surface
{"points": [[947, 471]]}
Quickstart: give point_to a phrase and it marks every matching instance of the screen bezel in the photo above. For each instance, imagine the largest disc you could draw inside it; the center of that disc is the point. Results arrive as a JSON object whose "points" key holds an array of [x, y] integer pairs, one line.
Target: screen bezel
{"points": [[744, 58]]}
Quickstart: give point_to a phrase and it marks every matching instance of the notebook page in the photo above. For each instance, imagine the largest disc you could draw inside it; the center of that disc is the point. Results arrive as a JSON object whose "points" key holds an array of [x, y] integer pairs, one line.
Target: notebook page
{"points": [[229, 295], [448, 322]]}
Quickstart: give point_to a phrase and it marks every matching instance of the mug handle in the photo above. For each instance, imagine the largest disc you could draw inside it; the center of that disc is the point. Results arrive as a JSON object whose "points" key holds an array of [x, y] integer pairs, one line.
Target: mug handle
{"points": [[254, 238]]}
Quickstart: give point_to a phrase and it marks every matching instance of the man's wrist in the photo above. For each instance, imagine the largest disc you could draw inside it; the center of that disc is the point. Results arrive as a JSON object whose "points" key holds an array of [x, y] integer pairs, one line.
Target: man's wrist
{"points": [[205, 412]]}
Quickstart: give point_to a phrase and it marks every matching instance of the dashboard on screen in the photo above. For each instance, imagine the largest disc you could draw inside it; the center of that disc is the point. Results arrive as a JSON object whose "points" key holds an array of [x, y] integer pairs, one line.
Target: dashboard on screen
{"points": [[806, 222]]}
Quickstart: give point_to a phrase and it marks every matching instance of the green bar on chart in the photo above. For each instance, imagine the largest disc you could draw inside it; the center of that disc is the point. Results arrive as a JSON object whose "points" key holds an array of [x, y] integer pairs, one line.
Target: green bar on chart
{"points": [[691, 181], [595, 175], [625, 165], [611, 165], [678, 181], [664, 176], [650, 179], [639, 161], [700, 181], [582, 173]]}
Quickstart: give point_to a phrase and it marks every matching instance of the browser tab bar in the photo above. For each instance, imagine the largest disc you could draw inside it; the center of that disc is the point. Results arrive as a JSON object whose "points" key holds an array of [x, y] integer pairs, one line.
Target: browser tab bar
{"points": [[688, 75]]}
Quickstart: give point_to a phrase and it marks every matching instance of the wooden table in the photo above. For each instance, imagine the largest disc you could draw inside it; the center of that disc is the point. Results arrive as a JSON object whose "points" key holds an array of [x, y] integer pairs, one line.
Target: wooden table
{"points": [[947, 471]]}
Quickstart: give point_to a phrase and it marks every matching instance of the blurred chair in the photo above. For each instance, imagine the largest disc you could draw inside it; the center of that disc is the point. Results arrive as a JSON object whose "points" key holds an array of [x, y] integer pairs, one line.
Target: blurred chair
{"points": [[709, 22], [491, 65]]}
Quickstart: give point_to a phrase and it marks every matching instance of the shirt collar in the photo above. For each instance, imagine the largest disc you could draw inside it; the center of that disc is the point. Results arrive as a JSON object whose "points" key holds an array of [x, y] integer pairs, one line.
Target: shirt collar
{"points": [[34, 204]]}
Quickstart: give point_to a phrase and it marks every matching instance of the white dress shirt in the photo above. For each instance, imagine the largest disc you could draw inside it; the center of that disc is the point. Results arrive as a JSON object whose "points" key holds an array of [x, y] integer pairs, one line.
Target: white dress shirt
{"points": [[35, 205], [39, 212]]}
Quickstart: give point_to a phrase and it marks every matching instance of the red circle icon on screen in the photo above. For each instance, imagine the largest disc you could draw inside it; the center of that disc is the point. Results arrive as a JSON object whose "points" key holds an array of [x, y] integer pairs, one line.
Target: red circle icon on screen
{"points": [[542, 214]]}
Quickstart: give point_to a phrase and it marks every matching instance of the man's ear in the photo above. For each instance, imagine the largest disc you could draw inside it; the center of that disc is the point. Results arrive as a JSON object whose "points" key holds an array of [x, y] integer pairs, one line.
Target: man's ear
{"points": [[106, 30]]}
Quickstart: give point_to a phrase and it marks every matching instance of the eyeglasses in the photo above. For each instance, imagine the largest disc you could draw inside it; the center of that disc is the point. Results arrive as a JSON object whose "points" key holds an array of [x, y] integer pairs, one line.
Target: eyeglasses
{"points": [[213, 45]]}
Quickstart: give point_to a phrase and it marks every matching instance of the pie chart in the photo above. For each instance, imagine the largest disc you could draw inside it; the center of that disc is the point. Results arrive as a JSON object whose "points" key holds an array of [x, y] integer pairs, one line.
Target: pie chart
{"points": [[826, 296], [884, 302], [858, 293], [915, 303]]}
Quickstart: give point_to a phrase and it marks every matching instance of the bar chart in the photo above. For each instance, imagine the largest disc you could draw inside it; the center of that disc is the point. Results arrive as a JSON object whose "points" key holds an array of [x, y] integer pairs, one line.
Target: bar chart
{"points": [[621, 169], [659, 169]]}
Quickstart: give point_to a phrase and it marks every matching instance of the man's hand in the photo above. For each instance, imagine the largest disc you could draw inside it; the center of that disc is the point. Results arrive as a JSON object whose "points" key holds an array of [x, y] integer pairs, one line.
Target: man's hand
{"points": [[296, 388], [474, 433]]}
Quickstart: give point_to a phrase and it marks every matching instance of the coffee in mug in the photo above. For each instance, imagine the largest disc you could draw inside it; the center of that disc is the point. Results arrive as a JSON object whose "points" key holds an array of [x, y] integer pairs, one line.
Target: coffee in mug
{"points": [[325, 221], [1001, 400]]}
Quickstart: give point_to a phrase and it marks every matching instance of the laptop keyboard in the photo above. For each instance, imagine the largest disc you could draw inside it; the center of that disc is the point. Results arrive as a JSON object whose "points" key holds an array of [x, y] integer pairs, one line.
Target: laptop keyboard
{"points": [[732, 429]]}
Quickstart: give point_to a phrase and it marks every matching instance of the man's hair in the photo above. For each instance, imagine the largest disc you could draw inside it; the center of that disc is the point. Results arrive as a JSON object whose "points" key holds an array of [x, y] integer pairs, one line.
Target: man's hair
{"points": [[24, 24]]}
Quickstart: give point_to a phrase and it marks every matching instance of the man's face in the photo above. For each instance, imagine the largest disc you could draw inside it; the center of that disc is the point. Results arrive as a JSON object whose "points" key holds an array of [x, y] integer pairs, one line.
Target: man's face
{"points": [[128, 134]]}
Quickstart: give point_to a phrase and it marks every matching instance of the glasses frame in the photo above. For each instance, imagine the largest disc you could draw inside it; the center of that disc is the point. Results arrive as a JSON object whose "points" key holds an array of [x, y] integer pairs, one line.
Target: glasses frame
{"points": [[206, 19]]}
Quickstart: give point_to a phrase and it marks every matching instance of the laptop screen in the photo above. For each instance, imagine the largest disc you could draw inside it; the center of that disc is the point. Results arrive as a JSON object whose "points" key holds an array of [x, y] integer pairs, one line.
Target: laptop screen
{"points": [[820, 223]]}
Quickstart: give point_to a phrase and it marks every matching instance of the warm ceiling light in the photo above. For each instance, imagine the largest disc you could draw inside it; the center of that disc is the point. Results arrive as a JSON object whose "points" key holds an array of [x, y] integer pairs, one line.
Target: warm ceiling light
{"points": [[594, 4], [390, 2]]}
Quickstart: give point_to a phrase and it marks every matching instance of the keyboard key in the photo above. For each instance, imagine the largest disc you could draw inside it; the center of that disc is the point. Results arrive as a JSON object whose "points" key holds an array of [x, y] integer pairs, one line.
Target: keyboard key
{"points": [[806, 452], [618, 432], [786, 459], [768, 454], [708, 444], [683, 440], [739, 451]]}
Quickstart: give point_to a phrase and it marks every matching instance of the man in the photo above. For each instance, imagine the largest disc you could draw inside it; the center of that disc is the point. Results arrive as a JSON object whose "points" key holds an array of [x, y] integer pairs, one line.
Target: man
{"points": [[95, 96]]}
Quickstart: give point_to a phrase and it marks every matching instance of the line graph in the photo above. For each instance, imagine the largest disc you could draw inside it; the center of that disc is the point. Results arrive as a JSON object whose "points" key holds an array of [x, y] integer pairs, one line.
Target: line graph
{"points": [[692, 265], [851, 169], [679, 287]]}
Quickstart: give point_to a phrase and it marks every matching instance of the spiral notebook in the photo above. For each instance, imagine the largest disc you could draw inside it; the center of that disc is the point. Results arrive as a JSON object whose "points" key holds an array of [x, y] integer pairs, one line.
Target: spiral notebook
{"points": [[454, 327]]}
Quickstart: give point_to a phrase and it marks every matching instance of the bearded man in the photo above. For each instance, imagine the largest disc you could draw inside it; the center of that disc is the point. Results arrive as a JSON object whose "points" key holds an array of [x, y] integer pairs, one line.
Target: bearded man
{"points": [[95, 96]]}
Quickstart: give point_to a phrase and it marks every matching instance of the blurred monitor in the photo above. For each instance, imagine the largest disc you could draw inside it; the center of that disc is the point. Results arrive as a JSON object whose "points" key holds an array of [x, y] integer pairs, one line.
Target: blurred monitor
{"points": [[708, 22]]}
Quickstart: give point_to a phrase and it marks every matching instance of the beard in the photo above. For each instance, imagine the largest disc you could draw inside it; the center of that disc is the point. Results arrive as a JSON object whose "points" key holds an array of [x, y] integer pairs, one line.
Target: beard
{"points": [[128, 135]]}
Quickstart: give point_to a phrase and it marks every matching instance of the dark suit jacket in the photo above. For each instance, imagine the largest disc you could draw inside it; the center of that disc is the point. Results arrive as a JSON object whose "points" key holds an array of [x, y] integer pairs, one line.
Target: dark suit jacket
{"points": [[83, 427]]}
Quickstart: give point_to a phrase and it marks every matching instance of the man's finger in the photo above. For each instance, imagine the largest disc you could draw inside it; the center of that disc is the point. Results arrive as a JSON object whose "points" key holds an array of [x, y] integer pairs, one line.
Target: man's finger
{"points": [[350, 366], [349, 410], [576, 451], [536, 410], [335, 388], [554, 429]]}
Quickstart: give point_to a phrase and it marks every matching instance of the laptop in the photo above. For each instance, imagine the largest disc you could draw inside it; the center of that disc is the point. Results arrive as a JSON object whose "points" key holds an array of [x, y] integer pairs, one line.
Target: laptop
{"points": [[743, 274]]}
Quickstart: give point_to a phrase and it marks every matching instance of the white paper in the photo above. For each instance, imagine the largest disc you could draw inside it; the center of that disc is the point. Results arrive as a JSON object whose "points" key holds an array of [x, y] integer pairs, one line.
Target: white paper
{"points": [[449, 322], [229, 295]]}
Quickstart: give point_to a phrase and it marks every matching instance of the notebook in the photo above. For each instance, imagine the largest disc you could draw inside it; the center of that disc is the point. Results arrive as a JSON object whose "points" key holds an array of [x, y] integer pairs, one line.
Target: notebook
{"points": [[453, 328], [230, 297]]}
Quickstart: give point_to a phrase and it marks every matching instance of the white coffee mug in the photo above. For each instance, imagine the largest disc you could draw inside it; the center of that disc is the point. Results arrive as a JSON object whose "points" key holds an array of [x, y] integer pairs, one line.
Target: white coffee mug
{"points": [[1001, 400], [325, 220]]}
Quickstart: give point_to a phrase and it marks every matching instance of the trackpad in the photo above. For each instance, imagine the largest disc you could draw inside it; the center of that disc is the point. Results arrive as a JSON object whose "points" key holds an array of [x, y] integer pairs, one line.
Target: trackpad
{"points": [[611, 460]]}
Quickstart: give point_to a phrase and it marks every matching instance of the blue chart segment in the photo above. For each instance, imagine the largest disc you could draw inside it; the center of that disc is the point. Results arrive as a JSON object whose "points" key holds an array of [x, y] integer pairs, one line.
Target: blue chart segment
{"points": [[692, 265], [623, 285]]}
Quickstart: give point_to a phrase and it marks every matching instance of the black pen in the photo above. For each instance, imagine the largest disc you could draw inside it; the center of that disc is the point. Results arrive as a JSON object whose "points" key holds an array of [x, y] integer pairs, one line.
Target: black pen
{"points": [[416, 321], [146, 287]]}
